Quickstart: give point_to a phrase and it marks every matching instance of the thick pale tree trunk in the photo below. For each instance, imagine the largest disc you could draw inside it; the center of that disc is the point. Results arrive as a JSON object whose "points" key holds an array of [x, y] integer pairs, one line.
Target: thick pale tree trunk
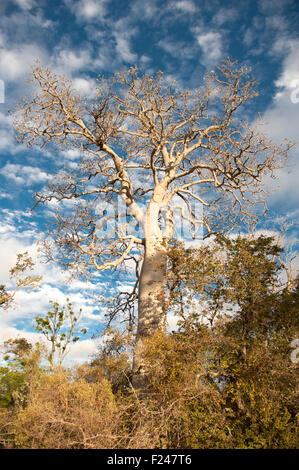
{"points": [[151, 305], [151, 295]]}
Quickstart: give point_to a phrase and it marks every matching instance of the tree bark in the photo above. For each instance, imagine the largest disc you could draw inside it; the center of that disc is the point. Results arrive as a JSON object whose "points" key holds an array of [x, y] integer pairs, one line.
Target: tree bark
{"points": [[151, 304], [152, 284], [152, 281]]}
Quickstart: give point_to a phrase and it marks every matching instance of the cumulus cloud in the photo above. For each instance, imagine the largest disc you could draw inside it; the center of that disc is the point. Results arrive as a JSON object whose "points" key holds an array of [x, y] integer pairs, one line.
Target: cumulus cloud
{"points": [[81, 351], [25, 175], [8, 143], [71, 154], [123, 32], [87, 10], [177, 49], [145, 10], [211, 46], [25, 4], [90, 8], [123, 48], [4, 195], [78, 352], [225, 15], [281, 120], [267, 6], [282, 115], [9, 247], [2, 39], [289, 78], [18, 321], [17, 61], [9, 332], [84, 86], [71, 60], [184, 5]]}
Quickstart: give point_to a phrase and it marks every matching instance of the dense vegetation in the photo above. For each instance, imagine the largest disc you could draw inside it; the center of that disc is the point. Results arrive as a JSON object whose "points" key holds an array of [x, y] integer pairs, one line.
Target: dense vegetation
{"points": [[227, 378]]}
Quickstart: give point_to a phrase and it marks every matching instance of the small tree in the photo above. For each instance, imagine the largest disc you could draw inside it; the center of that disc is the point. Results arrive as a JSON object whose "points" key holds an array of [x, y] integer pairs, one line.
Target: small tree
{"points": [[59, 327], [22, 372], [238, 276]]}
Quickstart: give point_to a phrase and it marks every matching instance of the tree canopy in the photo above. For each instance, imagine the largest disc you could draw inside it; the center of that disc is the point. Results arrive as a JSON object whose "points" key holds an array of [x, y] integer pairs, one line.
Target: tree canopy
{"points": [[154, 154]]}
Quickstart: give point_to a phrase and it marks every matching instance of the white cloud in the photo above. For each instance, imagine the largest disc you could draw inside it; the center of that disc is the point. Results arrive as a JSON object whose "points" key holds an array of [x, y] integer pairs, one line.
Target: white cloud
{"points": [[91, 8], [172, 322], [114, 39], [87, 10], [69, 61], [84, 86], [4, 195], [267, 6], [25, 4], [17, 61], [211, 46], [184, 5], [2, 39], [7, 140], [8, 332], [283, 114], [123, 48], [9, 247], [282, 121], [17, 320], [177, 49], [71, 154], [31, 26], [276, 23], [5, 120], [149, 10], [289, 78], [81, 351], [26, 175], [225, 15], [123, 31], [249, 36]]}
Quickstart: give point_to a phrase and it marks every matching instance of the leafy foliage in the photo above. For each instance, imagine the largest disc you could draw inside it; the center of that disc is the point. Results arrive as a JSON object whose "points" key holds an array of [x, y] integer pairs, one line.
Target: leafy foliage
{"points": [[224, 379], [55, 329]]}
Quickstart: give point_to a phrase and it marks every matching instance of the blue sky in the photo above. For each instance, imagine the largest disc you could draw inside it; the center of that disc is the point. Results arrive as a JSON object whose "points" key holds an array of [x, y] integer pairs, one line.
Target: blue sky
{"points": [[83, 38]]}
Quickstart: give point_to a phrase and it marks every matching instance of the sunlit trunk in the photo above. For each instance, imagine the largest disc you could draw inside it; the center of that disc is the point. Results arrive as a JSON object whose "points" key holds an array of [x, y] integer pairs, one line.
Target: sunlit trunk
{"points": [[151, 296]]}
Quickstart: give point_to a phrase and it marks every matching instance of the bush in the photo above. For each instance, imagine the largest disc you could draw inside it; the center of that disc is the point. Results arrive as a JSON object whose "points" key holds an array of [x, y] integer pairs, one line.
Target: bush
{"points": [[66, 414]]}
